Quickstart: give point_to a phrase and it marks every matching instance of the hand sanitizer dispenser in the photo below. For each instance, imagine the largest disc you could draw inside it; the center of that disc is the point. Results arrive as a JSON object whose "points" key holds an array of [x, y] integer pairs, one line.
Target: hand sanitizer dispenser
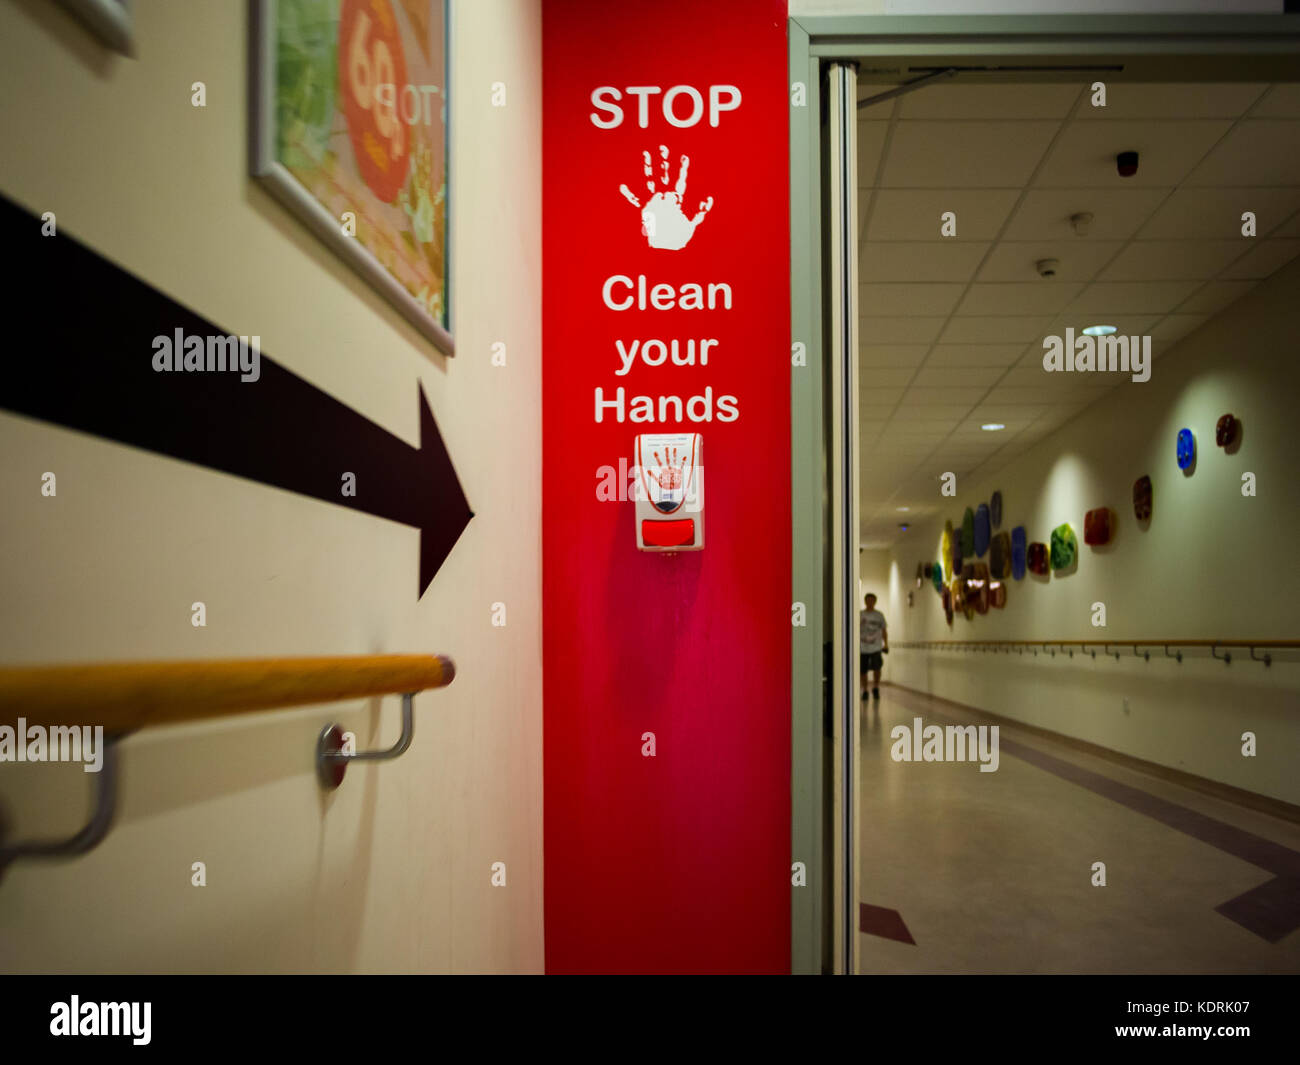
{"points": [[670, 492]]}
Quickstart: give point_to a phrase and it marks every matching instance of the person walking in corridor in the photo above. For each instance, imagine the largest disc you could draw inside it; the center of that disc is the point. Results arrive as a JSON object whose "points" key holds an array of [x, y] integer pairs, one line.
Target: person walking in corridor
{"points": [[873, 645]]}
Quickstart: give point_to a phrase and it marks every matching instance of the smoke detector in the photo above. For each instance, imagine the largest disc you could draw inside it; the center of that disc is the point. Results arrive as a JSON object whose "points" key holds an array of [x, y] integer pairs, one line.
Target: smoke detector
{"points": [[1081, 223]]}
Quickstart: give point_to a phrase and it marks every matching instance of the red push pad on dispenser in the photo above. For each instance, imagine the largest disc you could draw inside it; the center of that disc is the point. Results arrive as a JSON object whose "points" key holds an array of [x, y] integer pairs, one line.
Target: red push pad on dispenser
{"points": [[669, 492], [668, 533]]}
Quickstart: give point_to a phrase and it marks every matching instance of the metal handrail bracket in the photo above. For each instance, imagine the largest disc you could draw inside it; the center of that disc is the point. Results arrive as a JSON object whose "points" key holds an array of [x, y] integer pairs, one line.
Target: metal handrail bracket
{"points": [[332, 764], [92, 833]]}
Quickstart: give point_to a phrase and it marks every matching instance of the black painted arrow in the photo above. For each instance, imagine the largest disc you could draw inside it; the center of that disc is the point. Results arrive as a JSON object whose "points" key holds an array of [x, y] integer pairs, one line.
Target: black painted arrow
{"points": [[88, 363]]}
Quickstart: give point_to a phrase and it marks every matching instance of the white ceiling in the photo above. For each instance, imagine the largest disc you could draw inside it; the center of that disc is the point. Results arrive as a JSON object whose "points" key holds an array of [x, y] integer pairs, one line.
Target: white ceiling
{"points": [[951, 328]]}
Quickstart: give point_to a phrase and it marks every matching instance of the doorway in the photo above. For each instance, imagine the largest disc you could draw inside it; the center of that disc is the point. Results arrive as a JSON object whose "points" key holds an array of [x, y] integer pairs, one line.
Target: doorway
{"points": [[887, 97]]}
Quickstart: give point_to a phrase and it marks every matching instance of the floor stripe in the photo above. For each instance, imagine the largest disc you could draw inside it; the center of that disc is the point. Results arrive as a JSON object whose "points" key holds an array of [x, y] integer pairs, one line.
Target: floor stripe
{"points": [[1271, 910]]}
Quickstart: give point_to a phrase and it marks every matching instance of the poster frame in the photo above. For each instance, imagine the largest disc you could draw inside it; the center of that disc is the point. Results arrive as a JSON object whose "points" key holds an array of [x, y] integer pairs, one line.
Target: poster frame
{"points": [[277, 179]]}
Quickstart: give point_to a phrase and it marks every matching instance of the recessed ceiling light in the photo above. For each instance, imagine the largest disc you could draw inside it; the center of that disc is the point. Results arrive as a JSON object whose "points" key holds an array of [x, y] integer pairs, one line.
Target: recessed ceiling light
{"points": [[904, 508], [1099, 331], [992, 427]]}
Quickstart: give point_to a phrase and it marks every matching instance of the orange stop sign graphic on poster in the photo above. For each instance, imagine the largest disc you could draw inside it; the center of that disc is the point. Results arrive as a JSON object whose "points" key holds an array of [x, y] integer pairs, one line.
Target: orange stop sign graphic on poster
{"points": [[372, 75]]}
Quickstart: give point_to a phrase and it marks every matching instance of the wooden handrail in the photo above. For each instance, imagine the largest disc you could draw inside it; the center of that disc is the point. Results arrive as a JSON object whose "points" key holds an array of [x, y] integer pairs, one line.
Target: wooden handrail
{"points": [[131, 695]]}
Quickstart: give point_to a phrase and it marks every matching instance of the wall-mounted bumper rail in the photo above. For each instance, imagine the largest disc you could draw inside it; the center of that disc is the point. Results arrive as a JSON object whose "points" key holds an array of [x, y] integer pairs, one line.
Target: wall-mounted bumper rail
{"points": [[121, 698], [1108, 647]]}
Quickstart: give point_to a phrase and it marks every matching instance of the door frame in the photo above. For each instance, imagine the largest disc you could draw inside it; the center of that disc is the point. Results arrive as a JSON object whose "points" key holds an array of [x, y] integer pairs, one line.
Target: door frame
{"points": [[1235, 47]]}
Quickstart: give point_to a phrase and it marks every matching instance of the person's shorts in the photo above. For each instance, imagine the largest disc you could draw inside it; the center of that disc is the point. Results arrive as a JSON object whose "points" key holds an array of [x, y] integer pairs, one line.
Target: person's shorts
{"points": [[874, 660]]}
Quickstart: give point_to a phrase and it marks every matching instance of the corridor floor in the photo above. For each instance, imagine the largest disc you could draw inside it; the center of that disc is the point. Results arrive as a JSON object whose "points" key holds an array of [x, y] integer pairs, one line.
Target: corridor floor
{"points": [[993, 872]]}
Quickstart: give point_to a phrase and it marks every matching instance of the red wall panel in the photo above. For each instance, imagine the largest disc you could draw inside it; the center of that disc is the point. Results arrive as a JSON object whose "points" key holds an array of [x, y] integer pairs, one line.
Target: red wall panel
{"points": [[681, 861]]}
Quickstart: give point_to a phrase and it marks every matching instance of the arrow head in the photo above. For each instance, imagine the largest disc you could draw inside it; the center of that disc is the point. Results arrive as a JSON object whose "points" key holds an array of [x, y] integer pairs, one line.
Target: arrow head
{"points": [[444, 508]]}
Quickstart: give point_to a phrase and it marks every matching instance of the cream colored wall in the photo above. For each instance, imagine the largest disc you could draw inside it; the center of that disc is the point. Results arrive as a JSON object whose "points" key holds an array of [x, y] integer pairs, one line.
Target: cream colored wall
{"points": [[873, 573], [1031, 7], [391, 872], [1213, 563]]}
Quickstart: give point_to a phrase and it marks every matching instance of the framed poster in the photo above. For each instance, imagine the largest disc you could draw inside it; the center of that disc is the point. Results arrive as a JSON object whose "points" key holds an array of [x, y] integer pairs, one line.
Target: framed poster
{"points": [[349, 130], [110, 19]]}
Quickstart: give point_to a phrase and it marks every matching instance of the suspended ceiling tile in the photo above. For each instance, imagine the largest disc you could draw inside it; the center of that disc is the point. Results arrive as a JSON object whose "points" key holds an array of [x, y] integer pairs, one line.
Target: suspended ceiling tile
{"points": [[1132, 297], [1125, 324], [936, 376], [918, 447], [898, 459], [923, 485], [1032, 385], [977, 355], [1256, 152], [1003, 330], [1041, 296], [959, 465], [880, 479], [877, 498], [1173, 260], [942, 411], [949, 260], [1213, 297], [877, 397], [1030, 374], [887, 356], [989, 442], [1078, 260], [883, 470], [969, 436], [1282, 101], [891, 330], [1117, 214], [1290, 228], [871, 142], [906, 418], [870, 377], [1138, 100], [998, 462], [1215, 213], [996, 409], [958, 99], [1058, 416], [924, 397], [989, 154], [875, 411], [917, 214], [1265, 260], [1174, 328], [914, 298], [909, 438], [1044, 394], [1084, 155]]}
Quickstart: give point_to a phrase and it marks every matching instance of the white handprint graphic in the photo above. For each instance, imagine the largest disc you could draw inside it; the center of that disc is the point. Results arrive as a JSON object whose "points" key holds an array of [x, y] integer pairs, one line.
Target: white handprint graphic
{"points": [[662, 221]]}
